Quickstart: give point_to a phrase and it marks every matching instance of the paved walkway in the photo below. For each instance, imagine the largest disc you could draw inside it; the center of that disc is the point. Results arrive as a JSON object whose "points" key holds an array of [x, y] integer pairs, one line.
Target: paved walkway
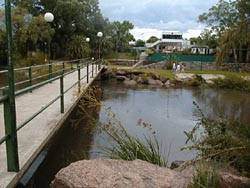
{"points": [[34, 136]]}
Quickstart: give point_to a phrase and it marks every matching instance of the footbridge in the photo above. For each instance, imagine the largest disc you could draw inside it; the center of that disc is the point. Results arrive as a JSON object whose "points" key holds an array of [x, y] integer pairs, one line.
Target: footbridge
{"points": [[44, 97]]}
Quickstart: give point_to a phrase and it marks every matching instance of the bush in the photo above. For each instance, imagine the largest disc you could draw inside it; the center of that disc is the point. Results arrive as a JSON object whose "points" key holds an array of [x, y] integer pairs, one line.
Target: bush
{"points": [[222, 140], [232, 82]]}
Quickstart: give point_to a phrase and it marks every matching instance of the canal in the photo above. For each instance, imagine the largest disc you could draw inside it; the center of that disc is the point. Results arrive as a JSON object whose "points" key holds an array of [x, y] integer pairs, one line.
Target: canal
{"points": [[169, 111]]}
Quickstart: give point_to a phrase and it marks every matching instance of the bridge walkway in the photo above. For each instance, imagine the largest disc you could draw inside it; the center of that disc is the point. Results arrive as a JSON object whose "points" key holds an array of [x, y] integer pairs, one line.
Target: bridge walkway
{"points": [[36, 134]]}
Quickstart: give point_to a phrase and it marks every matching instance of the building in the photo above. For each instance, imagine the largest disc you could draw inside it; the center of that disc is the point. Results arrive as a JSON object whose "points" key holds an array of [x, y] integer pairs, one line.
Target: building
{"points": [[201, 49], [170, 42]]}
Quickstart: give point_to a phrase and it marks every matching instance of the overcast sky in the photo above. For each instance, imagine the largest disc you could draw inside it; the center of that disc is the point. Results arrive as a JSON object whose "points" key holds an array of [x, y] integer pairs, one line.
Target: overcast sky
{"points": [[150, 17]]}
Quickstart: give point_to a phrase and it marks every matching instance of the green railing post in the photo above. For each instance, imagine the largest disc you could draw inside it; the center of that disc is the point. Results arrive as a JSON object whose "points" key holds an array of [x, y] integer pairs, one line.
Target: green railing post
{"points": [[87, 72], [10, 130], [62, 94], [79, 78], [71, 66], [9, 105], [30, 77], [63, 68]]}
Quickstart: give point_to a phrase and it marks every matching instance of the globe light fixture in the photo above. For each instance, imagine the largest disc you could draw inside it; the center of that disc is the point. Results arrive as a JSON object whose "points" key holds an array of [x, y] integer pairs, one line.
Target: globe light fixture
{"points": [[49, 17], [100, 34], [87, 39]]}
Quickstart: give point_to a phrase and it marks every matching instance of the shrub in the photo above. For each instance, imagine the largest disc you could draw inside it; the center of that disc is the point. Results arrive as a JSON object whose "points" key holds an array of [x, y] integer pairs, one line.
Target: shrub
{"points": [[233, 82], [222, 140]]}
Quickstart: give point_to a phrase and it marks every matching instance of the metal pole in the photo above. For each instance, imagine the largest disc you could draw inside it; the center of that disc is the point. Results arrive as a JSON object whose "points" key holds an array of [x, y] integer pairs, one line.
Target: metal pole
{"points": [[50, 65], [79, 78], [30, 77], [62, 93], [10, 106], [87, 72]]}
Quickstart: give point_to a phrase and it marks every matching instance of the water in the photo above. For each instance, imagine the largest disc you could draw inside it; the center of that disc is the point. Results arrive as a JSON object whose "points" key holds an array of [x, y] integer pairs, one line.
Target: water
{"points": [[169, 111]]}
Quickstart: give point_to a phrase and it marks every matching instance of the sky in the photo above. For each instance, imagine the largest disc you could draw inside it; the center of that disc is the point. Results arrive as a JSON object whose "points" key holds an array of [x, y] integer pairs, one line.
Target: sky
{"points": [[151, 17]]}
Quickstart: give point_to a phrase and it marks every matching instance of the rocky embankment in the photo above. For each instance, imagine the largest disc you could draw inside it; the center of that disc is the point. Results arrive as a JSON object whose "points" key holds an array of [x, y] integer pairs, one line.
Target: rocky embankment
{"points": [[133, 78], [108, 173]]}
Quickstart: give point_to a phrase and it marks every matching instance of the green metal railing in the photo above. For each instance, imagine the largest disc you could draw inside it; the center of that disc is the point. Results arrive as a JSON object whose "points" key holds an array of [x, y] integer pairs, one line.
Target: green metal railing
{"points": [[67, 67]]}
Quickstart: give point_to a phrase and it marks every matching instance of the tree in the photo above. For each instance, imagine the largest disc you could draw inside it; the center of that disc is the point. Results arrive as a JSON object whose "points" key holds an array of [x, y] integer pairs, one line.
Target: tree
{"points": [[140, 43], [78, 47], [230, 21], [152, 39], [120, 35]]}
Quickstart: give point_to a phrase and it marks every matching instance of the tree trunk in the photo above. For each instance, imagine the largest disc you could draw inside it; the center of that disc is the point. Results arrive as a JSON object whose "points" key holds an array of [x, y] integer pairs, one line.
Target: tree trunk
{"points": [[235, 55], [248, 54]]}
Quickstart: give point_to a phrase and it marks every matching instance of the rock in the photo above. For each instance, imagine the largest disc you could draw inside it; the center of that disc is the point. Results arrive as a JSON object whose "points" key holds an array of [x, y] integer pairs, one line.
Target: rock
{"points": [[130, 82], [228, 180], [163, 79], [121, 73], [102, 173], [155, 82], [121, 78], [176, 164], [154, 76], [167, 83]]}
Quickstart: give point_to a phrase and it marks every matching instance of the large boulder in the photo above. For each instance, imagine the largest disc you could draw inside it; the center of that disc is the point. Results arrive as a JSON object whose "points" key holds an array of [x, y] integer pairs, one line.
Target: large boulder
{"points": [[109, 173]]}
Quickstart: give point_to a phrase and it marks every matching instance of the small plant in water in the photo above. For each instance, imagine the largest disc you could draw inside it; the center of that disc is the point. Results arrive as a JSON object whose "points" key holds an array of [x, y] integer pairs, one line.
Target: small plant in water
{"points": [[128, 147]]}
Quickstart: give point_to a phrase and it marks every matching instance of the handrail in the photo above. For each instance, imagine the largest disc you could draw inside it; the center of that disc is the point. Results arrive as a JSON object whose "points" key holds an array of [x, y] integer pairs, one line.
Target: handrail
{"points": [[30, 68], [81, 64]]}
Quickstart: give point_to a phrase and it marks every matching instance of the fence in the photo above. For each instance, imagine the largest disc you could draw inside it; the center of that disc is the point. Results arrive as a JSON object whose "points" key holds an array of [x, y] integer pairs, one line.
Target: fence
{"points": [[66, 67]]}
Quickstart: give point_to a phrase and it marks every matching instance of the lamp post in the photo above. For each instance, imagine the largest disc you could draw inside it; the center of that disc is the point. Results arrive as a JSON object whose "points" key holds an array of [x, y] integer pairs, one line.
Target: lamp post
{"points": [[49, 17], [99, 35]]}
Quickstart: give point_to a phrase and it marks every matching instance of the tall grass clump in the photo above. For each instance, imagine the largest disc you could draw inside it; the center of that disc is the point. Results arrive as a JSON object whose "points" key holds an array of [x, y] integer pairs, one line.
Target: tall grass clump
{"points": [[205, 177], [122, 144], [127, 147]]}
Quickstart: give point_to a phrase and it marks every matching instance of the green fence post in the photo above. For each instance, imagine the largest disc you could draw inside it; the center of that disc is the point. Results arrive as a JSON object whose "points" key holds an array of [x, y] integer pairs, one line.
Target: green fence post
{"points": [[87, 72], [30, 77], [63, 71], [62, 94], [71, 66], [79, 78], [10, 130]]}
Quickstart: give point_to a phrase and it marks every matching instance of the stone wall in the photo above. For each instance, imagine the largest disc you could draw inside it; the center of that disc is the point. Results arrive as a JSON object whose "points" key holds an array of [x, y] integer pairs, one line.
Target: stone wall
{"points": [[123, 62]]}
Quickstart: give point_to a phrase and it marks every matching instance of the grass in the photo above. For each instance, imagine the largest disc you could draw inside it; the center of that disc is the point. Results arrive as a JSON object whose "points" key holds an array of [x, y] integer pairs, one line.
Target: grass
{"points": [[216, 72], [205, 177], [127, 147]]}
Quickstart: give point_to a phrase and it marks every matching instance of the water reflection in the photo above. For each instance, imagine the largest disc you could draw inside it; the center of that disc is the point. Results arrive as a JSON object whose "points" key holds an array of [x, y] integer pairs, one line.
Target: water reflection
{"points": [[71, 144], [170, 111]]}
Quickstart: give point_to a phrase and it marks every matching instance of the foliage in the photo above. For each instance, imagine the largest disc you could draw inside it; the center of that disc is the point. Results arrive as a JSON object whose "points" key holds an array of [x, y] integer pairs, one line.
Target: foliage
{"points": [[222, 140], [197, 80], [232, 82], [32, 59], [140, 43], [128, 147], [205, 177], [229, 20], [152, 39], [78, 48]]}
